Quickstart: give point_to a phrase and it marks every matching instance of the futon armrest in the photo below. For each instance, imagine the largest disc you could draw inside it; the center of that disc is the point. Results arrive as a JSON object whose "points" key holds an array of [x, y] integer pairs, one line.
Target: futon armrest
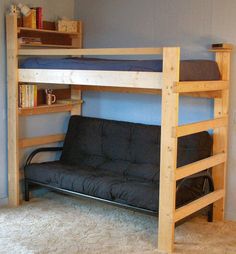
{"points": [[41, 150], [205, 175]]}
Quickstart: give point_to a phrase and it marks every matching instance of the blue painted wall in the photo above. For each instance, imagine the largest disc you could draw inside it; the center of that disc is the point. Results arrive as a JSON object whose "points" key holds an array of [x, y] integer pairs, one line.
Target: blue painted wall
{"points": [[138, 23], [142, 108]]}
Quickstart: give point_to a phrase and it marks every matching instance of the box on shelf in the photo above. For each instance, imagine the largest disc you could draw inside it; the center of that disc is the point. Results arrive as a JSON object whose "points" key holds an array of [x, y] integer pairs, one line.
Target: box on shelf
{"points": [[70, 26]]}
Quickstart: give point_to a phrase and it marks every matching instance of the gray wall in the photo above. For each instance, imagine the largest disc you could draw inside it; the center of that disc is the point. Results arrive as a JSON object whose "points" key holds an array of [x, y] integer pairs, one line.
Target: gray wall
{"points": [[52, 10], [191, 24]]}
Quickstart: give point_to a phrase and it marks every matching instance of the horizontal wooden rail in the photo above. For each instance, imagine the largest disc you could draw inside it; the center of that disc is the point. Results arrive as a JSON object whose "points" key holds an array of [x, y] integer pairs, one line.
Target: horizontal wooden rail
{"points": [[92, 51], [188, 129], [211, 94], [199, 166], [131, 79], [198, 204], [200, 86], [42, 140]]}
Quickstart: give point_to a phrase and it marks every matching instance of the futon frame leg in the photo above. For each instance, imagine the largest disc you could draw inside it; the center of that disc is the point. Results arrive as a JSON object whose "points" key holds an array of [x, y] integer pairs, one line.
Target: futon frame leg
{"points": [[26, 190], [210, 213]]}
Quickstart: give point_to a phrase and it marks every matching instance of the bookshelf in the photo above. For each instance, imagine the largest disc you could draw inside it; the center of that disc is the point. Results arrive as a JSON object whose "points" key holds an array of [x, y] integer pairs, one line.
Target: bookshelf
{"points": [[52, 38], [45, 109], [49, 39], [22, 45], [26, 29]]}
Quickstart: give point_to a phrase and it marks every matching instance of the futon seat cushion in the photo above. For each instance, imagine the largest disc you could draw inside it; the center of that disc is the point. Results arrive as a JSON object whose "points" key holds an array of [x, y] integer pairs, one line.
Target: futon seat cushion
{"points": [[118, 161], [102, 183]]}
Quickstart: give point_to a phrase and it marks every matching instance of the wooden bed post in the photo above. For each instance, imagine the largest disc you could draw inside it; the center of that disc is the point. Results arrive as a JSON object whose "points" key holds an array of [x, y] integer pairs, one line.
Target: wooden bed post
{"points": [[12, 90], [221, 107], [170, 109]]}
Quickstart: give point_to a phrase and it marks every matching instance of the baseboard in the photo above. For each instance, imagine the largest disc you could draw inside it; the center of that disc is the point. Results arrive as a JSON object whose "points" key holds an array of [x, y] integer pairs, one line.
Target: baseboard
{"points": [[3, 201], [230, 216]]}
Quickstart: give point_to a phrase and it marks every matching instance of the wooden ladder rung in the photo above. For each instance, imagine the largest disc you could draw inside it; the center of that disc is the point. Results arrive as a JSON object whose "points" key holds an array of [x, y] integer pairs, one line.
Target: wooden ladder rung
{"points": [[187, 129], [200, 165], [198, 204], [200, 86]]}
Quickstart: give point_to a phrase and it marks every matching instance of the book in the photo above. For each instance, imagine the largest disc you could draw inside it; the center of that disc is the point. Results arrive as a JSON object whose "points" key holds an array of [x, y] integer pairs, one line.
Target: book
{"points": [[30, 40], [222, 45], [35, 96], [27, 96], [30, 20], [39, 17]]}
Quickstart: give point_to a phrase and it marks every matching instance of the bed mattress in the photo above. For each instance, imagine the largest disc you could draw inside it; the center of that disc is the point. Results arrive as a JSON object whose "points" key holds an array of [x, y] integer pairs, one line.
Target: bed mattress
{"points": [[190, 70]]}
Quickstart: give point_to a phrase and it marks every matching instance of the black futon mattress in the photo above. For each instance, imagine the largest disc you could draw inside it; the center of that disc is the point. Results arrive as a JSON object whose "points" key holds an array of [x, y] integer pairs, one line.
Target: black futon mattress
{"points": [[118, 161]]}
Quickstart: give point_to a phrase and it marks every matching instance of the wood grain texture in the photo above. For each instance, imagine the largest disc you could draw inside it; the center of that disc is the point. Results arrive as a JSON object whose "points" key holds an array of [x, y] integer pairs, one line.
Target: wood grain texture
{"points": [[95, 51], [131, 79], [220, 136], [198, 204], [199, 166], [170, 109], [45, 109], [76, 95], [42, 140], [13, 135], [200, 86], [187, 129]]}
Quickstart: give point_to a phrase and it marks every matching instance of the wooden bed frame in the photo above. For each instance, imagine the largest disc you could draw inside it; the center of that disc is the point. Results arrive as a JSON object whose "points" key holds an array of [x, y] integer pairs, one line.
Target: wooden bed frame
{"points": [[167, 84]]}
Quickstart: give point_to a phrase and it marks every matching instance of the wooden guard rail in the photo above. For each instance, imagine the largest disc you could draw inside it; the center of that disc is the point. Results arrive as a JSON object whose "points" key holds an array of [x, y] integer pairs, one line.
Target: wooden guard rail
{"points": [[98, 51]]}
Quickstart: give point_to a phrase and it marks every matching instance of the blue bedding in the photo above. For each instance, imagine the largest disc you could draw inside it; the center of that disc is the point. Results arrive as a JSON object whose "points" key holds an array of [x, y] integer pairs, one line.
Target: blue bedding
{"points": [[190, 70], [76, 63]]}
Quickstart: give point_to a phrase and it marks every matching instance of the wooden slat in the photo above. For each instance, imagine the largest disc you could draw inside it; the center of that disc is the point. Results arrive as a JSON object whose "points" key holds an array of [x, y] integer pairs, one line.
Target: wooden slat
{"points": [[12, 90], [92, 51], [198, 204], [76, 95], [130, 79], [220, 50], [45, 109], [188, 129], [170, 104], [42, 140], [220, 135], [199, 166], [212, 94], [200, 86]]}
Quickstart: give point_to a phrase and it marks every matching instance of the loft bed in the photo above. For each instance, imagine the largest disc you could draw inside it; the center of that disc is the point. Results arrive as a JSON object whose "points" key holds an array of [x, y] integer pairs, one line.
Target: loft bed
{"points": [[168, 84]]}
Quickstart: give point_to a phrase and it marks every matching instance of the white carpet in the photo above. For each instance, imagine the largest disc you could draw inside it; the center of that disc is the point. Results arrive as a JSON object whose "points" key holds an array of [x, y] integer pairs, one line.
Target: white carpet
{"points": [[61, 224]]}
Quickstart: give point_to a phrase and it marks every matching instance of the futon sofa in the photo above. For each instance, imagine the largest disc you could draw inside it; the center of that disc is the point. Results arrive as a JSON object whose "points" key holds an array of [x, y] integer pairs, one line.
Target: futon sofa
{"points": [[118, 162]]}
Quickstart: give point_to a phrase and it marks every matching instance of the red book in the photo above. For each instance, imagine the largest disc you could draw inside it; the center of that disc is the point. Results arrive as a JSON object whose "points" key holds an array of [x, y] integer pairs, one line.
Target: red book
{"points": [[39, 17]]}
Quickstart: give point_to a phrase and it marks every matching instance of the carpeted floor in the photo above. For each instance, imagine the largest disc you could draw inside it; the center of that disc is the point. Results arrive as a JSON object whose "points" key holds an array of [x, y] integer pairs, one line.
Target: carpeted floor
{"points": [[68, 225]]}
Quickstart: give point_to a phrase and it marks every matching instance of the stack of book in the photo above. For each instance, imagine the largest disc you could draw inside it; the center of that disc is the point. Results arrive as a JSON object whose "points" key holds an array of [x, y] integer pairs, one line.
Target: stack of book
{"points": [[27, 96], [35, 19], [30, 40]]}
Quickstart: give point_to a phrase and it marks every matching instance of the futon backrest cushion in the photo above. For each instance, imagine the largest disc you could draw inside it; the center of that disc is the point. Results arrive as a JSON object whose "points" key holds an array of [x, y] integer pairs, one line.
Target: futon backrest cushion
{"points": [[100, 140]]}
